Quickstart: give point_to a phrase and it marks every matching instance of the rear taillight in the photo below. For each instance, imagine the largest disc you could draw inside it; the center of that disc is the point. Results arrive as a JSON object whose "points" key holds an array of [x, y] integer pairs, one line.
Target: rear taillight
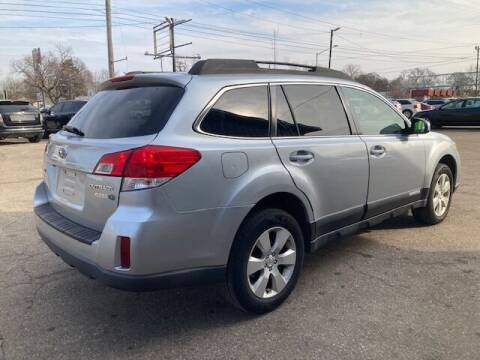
{"points": [[148, 166], [113, 164]]}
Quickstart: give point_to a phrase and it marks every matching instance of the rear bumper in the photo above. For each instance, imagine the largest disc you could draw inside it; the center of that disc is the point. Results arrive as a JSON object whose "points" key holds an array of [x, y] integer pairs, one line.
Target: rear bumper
{"points": [[168, 249], [21, 131], [138, 282]]}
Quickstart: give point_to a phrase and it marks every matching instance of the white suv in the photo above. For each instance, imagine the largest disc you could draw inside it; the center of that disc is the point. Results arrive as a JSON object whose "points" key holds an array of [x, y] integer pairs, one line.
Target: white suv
{"points": [[409, 107]]}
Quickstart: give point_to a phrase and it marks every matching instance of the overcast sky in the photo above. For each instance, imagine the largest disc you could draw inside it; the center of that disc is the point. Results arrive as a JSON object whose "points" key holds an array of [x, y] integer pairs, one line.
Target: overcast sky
{"points": [[382, 36]]}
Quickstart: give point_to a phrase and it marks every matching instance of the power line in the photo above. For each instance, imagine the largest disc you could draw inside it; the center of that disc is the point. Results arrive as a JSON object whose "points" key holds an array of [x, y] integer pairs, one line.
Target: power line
{"points": [[208, 3], [317, 20]]}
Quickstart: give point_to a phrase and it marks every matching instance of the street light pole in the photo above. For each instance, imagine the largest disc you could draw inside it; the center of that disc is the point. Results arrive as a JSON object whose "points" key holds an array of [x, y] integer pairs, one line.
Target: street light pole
{"points": [[331, 42]]}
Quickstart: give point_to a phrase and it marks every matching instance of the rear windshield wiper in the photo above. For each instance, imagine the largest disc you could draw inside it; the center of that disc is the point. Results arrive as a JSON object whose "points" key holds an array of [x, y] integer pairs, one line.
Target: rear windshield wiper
{"points": [[73, 130]]}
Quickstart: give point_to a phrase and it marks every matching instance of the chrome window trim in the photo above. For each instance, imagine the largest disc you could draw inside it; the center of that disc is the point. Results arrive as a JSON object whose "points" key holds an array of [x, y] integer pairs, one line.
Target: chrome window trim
{"points": [[338, 84]]}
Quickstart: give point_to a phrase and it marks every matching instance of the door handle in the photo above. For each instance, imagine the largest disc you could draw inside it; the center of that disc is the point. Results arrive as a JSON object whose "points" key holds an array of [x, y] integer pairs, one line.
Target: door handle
{"points": [[377, 150], [301, 157]]}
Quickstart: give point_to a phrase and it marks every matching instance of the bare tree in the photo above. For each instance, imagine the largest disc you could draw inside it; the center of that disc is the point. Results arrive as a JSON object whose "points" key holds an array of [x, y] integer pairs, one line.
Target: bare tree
{"points": [[352, 70], [15, 89], [419, 77], [58, 74], [98, 78]]}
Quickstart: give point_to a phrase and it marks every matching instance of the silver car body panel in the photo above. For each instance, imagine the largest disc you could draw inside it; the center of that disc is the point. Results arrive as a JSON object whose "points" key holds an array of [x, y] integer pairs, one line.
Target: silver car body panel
{"points": [[191, 221]]}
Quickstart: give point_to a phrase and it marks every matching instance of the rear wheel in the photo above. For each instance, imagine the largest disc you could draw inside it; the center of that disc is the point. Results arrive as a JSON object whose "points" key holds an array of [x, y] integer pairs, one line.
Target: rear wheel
{"points": [[407, 113], [35, 139], [265, 261], [439, 198]]}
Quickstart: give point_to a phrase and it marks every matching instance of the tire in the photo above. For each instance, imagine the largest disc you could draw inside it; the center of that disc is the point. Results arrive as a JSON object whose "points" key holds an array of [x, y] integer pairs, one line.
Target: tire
{"points": [[429, 214], [35, 139], [265, 270], [407, 113]]}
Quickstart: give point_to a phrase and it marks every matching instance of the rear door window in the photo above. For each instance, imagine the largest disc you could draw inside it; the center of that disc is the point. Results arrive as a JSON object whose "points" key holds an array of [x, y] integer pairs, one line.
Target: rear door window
{"points": [[127, 112], [241, 112], [317, 110]]}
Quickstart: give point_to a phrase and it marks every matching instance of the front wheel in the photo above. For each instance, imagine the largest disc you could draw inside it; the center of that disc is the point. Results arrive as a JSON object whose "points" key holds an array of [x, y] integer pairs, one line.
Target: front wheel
{"points": [[265, 261], [35, 139], [408, 113], [439, 197]]}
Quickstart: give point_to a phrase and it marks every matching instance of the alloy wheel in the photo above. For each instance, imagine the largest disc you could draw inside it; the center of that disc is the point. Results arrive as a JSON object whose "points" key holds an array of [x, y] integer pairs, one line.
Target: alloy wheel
{"points": [[271, 262], [441, 195]]}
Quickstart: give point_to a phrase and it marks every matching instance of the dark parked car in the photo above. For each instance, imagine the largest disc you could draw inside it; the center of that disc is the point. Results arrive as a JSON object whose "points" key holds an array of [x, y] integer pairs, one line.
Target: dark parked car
{"points": [[60, 114], [462, 112], [436, 103], [19, 119]]}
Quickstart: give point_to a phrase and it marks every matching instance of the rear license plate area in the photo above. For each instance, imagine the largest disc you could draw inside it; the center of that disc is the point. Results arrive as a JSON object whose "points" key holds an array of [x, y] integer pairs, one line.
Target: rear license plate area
{"points": [[71, 186]]}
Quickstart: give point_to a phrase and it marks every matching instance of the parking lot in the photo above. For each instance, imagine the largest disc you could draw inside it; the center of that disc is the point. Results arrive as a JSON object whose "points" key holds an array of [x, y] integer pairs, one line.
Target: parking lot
{"points": [[398, 291]]}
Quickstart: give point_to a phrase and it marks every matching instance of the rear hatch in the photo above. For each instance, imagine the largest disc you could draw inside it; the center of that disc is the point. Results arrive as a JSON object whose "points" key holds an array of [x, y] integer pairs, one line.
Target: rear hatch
{"points": [[19, 113], [113, 120]]}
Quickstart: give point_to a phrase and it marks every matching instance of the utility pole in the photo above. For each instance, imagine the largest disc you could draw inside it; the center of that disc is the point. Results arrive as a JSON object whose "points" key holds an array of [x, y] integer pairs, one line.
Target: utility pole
{"points": [[108, 14], [331, 46], [169, 24], [476, 75], [171, 32]]}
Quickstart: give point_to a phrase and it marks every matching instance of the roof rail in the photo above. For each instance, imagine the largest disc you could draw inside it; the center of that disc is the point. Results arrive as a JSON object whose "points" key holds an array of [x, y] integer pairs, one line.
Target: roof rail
{"points": [[240, 66], [309, 67]]}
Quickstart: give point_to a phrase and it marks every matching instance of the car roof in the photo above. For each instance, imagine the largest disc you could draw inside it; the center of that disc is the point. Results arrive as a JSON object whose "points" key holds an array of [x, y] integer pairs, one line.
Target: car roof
{"points": [[229, 72]]}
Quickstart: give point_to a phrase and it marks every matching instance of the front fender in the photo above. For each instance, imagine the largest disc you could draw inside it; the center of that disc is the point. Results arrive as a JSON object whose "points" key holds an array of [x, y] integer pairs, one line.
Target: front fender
{"points": [[437, 146]]}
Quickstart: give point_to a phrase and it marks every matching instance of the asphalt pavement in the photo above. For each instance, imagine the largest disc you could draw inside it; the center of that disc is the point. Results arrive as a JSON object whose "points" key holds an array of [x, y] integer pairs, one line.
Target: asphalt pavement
{"points": [[397, 291]]}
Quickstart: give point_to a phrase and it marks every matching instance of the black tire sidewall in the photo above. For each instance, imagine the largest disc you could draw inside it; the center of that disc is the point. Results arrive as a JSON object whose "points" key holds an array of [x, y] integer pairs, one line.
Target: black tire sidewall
{"points": [[35, 139], [407, 113], [248, 233], [441, 169]]}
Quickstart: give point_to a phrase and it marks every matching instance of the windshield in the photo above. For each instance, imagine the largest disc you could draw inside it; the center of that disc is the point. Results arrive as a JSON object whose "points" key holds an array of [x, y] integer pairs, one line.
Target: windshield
{"points": [[127, 112]]}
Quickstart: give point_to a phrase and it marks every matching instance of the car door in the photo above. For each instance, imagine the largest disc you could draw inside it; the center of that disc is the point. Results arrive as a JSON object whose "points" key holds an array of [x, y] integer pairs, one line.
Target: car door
{"points": [[315, 143], [51, 118], [472, 112], [397, 158], [450, 114]]}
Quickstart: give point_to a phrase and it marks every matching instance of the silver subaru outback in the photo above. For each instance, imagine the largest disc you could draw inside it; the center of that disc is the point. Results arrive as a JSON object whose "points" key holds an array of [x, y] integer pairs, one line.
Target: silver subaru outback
{"points": [[232, 172]]}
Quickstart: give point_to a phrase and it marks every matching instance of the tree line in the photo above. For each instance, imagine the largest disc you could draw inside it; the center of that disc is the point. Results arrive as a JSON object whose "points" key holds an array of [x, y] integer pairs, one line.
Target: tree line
{"points": [[60, 75], [462, 82]]}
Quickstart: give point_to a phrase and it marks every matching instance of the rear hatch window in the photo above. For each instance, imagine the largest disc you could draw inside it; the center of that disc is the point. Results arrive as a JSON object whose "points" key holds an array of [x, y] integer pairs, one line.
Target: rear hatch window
{"points": [[127, 112], [17, 108]]}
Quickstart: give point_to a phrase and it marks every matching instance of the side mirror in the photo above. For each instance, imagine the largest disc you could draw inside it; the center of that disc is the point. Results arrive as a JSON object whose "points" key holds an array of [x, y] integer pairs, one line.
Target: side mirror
{"points": [[420, 126]]}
